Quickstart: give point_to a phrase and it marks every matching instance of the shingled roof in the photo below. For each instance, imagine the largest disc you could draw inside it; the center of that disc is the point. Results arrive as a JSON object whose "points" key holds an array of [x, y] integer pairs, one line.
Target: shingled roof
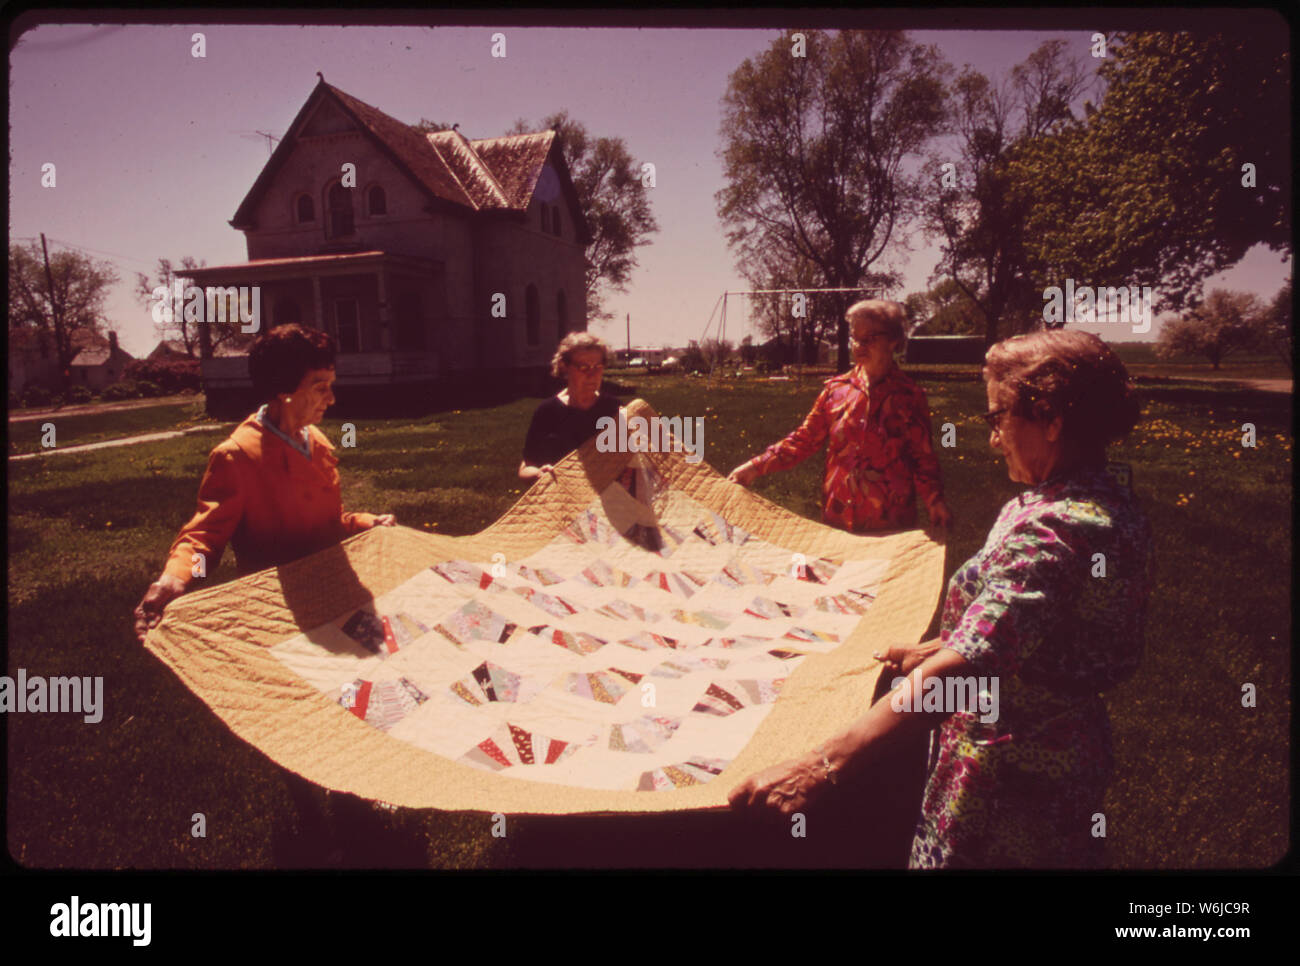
{"points": [[488, 174]]}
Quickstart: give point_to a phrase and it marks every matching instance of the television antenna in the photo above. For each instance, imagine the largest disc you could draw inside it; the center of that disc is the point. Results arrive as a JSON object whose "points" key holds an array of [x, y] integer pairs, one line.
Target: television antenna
{"points": [[254, 135]]}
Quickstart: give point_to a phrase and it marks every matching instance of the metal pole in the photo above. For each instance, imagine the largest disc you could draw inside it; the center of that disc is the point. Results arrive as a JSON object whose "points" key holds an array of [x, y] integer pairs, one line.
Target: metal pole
{"points": [[64, 374]]}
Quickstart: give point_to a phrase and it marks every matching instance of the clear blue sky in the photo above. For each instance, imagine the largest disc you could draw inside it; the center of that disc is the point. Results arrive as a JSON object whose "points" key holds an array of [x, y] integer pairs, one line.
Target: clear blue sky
{"points": [[154, 148]]}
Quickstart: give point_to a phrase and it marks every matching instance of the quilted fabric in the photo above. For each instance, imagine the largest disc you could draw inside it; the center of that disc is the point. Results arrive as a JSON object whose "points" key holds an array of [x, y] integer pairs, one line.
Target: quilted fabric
{"points": [[635, 635]]}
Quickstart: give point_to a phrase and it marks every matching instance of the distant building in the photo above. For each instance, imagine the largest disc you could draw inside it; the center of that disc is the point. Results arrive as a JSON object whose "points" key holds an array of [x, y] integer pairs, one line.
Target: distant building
{"points": [[169, 350], [945, 349], [97, 360], [100, 363], [450, 261]]}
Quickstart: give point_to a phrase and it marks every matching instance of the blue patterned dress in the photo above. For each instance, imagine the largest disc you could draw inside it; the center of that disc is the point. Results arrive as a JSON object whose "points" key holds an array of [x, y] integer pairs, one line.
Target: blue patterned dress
{"points": [[1056, 624]]}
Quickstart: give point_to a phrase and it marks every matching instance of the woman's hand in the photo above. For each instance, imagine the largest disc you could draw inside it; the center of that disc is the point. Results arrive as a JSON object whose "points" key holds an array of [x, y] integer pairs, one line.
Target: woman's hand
{"points": [[940, 515], [782, 789], [902, 659], [744, 474], [385, 520], [527, 472], [150, 609]]}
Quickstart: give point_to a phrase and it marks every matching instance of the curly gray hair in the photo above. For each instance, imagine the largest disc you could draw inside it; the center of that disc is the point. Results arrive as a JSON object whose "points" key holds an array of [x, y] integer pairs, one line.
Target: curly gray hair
{"points": [[576, 342]]}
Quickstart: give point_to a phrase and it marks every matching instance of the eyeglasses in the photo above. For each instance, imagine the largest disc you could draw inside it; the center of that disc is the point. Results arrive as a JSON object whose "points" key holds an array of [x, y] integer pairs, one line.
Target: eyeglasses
{"points": [[587, 370], [867, 340], [994, 419]]}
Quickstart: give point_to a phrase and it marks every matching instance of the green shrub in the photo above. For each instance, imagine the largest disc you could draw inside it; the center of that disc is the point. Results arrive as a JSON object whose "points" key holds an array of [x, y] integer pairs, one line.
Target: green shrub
{"points": [[37, 396], [79, 394], [147, 389], [121, 390]]}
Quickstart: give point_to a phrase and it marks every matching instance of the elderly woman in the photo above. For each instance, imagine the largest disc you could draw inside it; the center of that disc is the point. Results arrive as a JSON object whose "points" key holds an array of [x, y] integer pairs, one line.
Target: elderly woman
{"points": [[1047, 615], [272, 492], [272, 489], [878, 426], [568, 419]]}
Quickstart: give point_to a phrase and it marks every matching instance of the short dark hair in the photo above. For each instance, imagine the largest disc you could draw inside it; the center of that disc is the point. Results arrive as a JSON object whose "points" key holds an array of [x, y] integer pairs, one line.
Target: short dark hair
{"points": [[281, 357]]}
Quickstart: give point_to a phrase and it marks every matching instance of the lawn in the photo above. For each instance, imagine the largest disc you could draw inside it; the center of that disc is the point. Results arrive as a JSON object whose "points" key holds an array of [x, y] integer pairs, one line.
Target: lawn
{"points": [[1201, 781], [74, 429]]}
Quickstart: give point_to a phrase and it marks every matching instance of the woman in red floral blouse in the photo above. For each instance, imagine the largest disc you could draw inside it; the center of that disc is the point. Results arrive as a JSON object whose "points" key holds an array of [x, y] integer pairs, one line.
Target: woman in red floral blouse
{"points": [[877, 423]]}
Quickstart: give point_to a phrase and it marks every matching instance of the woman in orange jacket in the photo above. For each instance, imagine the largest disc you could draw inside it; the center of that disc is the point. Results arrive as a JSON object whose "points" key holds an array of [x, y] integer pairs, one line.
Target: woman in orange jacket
{"points": [[272, 489]]}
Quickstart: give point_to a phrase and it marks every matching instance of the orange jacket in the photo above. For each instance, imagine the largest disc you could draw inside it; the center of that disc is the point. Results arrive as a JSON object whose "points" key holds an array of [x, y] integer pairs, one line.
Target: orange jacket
{"points": [[265, 499]]}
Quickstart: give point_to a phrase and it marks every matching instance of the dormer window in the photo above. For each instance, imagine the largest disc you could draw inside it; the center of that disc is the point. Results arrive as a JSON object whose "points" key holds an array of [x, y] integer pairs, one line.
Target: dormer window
{"points": [[305, 209], [377, 201], [340, 212]]}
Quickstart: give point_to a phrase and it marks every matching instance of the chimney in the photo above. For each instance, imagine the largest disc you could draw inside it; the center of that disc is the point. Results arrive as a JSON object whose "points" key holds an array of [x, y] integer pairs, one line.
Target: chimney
{"points": [[112, 342]]}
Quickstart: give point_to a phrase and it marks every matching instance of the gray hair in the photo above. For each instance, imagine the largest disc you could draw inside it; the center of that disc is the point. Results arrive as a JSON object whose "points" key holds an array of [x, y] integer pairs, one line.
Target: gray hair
{"points": [[891, 315], [576, 342]]}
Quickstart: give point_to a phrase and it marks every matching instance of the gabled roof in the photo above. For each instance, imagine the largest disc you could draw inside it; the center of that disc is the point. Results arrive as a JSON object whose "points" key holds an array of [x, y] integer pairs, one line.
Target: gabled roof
{"points": [[489, 174], [474, 176], [517, 161]]}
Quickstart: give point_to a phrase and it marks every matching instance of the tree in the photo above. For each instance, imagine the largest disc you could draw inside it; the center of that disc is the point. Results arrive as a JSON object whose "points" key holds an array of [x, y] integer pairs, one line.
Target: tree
{"points": [[979, 211], [614, 201], [945, 309], [1278, 325], [224, 327], [814, 143], [1182, 169], [1224, 323], [81, 285]]}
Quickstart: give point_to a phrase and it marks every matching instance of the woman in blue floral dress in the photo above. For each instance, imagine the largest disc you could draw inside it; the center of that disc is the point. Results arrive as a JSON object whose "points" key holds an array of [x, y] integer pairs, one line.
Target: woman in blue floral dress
{"points": [[1046, 616]]}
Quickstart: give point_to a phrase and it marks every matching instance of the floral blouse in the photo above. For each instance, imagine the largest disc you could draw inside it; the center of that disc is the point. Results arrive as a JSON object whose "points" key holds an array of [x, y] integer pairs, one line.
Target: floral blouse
{"points": [[1053, 606], [879, 452]]}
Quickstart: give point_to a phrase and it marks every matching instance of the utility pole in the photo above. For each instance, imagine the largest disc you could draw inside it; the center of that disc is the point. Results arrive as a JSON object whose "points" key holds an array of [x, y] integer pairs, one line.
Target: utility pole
{"points": [[629, 337], [58, 324]]}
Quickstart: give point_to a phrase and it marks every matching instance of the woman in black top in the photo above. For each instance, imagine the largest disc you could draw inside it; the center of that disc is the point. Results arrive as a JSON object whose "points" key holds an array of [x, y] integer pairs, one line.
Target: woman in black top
{"points": [[568, 419]]}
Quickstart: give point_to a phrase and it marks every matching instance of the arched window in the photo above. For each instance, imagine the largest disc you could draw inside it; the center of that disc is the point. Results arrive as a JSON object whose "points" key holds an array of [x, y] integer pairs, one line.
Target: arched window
{"points": [[532, 316], [555, 221], [546, 221], [287, 311], [306, 209], [378, 201], [340, 211], [562, 313]]}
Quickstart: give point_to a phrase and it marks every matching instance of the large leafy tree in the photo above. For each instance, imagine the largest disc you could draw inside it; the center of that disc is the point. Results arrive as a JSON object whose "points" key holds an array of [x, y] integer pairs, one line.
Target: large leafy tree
{"points": [[816, 137], [1151, 188], [80, 289], [979, 211]]}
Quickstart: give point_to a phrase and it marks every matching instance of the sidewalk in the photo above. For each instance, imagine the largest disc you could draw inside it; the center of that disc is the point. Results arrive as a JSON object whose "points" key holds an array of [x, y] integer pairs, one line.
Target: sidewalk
{"points": [[105, 407], [126, 441]]}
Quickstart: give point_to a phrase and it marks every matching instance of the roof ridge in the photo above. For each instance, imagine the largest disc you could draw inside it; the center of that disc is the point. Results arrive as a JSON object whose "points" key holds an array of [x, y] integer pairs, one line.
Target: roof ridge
{"points": [[494, 183]]}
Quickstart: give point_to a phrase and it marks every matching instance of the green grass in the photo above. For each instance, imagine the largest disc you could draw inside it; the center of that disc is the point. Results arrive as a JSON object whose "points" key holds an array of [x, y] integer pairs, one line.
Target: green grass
{"points": [[1201, 781]]}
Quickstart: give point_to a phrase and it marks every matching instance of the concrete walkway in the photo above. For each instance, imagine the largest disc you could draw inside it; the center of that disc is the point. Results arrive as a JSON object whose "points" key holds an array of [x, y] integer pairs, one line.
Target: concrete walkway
{"points": [[127, 441], [101, 407]]}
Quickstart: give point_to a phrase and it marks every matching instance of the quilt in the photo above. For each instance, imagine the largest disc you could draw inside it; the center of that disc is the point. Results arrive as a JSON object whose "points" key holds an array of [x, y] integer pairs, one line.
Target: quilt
{"points": [[636, 634]]}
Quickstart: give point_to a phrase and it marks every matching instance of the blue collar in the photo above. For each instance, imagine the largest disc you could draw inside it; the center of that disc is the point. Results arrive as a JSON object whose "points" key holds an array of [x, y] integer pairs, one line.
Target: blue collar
{"points": [[301, 445]]}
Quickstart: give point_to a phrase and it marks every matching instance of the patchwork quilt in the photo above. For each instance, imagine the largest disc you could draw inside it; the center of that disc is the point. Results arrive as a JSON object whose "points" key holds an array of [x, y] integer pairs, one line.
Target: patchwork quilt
{"points": [[635, 635]]}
